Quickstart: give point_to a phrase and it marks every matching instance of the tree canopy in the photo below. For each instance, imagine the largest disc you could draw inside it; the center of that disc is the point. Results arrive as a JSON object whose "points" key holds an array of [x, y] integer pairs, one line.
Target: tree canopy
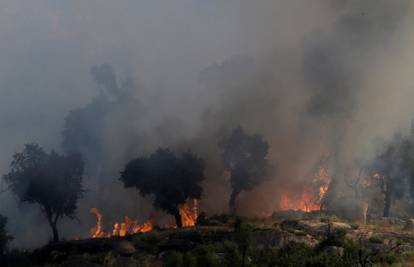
{"points": [[172, 179], [51, 180], [244, 156]]}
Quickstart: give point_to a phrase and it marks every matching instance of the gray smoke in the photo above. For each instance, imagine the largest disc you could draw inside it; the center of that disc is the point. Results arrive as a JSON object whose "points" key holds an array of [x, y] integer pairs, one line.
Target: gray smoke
{"points": [[315, 77]]}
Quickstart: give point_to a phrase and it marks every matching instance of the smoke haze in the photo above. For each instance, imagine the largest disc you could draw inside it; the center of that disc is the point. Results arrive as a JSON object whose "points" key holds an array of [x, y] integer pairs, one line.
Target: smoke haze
{"points": [[316, 78]]}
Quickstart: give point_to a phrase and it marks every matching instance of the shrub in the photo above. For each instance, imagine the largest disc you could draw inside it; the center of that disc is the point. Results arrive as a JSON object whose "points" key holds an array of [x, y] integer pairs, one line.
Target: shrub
{"points": [[335, 238], [151, 238], [206, 256], [232, 256], [244, 240], [299, 254], [174, 259], [189, 260], [293, 254], [375, 239], [148, 241]]}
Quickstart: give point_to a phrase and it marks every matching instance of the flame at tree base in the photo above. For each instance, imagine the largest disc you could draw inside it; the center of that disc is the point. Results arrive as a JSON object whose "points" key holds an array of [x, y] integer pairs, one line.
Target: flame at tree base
{"points": [[188, 212]]}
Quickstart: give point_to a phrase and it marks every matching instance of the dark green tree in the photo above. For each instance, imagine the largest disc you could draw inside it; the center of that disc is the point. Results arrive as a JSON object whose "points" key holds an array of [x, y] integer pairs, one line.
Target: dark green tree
{"points": [[244, 156], [171, 179], [51, 180]]}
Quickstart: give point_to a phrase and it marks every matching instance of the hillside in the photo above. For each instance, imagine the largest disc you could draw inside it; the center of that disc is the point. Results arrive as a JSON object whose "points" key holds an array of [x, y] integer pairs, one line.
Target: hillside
{"points": [[229, 241]]}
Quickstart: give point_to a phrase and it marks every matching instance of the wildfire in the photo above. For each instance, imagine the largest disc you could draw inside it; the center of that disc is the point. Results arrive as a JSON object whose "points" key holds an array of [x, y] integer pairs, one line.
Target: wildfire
{"points": [[188, 212], [311, 197], [322, 179], [97, 230], [305, 203], [129, 226]]}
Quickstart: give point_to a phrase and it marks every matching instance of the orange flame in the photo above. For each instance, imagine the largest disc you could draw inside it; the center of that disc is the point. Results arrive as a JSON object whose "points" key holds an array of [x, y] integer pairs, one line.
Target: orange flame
{"points": [[127, 227], [323, 180], [97, 230], [311, 197], [189, 213]]}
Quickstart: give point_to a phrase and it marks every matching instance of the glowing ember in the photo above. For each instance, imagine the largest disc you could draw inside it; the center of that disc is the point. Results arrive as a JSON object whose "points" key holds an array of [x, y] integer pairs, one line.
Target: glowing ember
{"points": [[127, 227], [311, 197], [189, 213]]}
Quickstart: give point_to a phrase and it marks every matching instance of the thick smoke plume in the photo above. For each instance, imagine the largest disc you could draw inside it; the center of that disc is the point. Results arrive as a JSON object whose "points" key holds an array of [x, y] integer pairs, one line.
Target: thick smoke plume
{"points": [[116, 80]]}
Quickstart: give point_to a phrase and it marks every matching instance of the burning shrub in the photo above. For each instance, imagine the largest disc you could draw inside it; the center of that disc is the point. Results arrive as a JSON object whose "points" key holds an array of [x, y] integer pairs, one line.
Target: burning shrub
{"points": [[52, 181], [244, 156], [171, 179]]}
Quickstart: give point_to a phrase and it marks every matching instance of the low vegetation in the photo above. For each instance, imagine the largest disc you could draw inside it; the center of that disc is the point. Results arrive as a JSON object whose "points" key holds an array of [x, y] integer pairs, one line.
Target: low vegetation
{"points": [[235, 242]]}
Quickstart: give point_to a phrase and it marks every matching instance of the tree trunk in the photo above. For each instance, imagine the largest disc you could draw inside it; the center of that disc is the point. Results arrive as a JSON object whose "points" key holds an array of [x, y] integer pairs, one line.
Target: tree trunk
{"points": [[232, 202], [53, 224], [365, 207], [387, 202], [178, 220], [55, 233]]}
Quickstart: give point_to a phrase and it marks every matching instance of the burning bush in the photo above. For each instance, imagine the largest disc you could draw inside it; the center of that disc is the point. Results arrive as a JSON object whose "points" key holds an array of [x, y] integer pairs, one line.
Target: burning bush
{"points": [[171, 179]]}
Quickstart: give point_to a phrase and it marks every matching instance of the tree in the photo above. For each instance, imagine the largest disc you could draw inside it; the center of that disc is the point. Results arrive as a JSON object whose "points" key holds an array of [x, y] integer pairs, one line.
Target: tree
{"points": [[4, 237], [171, 179], [51, 180], [391, 167], [244, 156]]}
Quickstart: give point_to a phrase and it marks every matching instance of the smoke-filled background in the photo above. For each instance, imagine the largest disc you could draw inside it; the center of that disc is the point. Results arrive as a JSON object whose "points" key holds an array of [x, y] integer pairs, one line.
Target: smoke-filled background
{"points": [[117, 79]]}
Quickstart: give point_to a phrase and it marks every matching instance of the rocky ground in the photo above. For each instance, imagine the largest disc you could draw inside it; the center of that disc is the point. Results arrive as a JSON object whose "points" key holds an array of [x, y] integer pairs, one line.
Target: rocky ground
{"points": [[229, 241]]}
